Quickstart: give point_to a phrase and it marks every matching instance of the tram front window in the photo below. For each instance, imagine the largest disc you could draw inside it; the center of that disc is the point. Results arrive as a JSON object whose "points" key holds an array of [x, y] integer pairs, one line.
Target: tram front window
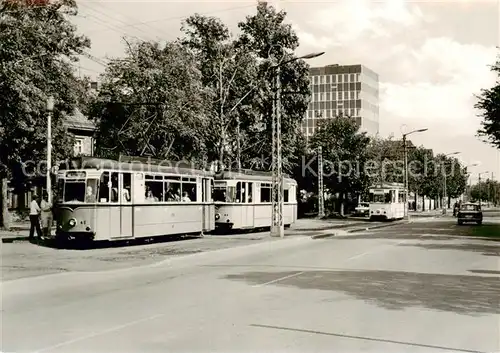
{"points": [[91, 191], [219, 194], [78, 190], [74, 191], [377, 198]]}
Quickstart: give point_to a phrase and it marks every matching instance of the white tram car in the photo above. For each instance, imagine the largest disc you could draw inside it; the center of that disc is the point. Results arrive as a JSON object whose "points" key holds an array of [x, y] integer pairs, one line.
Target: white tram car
{"points": [[388, 201], [102, 199], [243, 200]]}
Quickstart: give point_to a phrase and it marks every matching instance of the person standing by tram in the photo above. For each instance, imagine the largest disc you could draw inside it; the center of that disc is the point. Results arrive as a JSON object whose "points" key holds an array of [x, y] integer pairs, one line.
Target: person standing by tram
{"points": [[46, 213], [35, 218]]}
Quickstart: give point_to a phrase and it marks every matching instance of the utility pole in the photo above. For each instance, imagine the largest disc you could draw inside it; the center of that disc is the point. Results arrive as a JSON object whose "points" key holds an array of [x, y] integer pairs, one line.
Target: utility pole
{"points": [[277, 196], [480, 190], [321, 200], [277, 226], [406, 210], [50, 108], [445, 191], [406, 171]]}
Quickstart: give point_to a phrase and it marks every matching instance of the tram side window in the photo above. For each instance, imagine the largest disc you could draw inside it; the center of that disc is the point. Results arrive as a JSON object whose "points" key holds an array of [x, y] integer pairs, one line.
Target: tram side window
{"points": [[104, 188], [189, 192], [285, 196], [265, 193], [114, 187], [240, 192], [154, 188], [231, 194], [250, 192], [172, 191], [127, 184]]}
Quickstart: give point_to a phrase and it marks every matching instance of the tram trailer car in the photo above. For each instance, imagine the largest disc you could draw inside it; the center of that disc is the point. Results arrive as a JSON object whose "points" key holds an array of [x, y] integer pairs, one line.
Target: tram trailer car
{"points": [[101, 199], [243, 200]]}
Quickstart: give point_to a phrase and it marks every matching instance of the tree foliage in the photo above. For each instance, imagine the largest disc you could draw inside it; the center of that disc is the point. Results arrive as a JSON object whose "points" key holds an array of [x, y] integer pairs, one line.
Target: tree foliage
{"points": [[344, 151], [217, 94], [487, 190], [230, 74], [39, 47], [272, 42], [489, 104], [152, 102]]}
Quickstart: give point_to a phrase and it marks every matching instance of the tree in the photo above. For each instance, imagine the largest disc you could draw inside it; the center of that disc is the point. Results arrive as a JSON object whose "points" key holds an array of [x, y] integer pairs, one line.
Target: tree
{"points": [[39, 45], [489, 104], [345, 156], [153, 102], [271, 40], [230, 73], [387, 156], [422, 173]]}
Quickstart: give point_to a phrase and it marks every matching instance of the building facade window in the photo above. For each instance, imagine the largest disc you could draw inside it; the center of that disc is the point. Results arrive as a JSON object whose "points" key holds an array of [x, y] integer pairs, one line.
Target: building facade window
{"points": [[78, 148]]}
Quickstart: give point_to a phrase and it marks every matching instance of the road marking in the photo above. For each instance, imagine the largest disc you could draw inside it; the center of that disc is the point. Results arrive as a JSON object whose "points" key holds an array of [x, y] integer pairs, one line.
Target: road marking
{"points": [[280, 279], [364, 338], [95, 334], [375, 250]]}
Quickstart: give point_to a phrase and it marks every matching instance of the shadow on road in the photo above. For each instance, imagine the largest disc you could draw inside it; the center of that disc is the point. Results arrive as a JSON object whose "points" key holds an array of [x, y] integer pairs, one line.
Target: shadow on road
{"points": [[487, 250], [394, 290], [88, 245], [487, 272]]}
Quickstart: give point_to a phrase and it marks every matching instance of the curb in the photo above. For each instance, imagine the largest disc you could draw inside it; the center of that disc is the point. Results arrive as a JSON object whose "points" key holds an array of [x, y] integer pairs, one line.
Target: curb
{"points": [[322, 236], [341, 226], [7, 240], [357, 230]]}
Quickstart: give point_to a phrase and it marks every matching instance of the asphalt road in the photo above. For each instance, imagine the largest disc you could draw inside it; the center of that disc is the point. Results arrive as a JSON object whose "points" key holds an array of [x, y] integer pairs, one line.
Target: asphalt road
{"points": [[424, 287]]}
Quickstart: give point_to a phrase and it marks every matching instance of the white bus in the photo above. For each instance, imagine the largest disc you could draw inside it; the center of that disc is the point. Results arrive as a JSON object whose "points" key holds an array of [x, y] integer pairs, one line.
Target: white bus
{"points": [[102, 199], [388, 201], [243, 200]]}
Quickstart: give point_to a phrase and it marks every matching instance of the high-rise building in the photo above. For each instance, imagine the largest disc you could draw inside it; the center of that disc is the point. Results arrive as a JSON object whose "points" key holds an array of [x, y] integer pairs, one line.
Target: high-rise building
{"points": [[351, 90]]}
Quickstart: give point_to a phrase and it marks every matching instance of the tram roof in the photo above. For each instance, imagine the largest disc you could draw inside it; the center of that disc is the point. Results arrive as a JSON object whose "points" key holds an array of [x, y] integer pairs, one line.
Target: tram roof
{"points": [[246, 174], [133, 166]]}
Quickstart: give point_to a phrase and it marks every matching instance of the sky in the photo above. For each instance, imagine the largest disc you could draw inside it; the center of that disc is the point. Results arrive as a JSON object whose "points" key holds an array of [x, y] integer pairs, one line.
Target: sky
{"points": [[432, 57]]}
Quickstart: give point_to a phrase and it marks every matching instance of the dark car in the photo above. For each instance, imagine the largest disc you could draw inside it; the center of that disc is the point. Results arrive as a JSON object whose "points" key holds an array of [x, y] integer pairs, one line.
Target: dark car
{"points": [[470, 212]]}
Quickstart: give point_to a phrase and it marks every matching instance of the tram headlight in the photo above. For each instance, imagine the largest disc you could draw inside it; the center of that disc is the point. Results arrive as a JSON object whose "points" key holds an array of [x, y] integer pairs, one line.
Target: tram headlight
{"points": [[72, 222], [217, 216]]}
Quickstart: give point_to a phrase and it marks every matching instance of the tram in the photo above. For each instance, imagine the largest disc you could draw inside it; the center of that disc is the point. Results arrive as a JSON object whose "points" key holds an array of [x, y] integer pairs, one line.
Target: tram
{"points": [[387, 201], [243, 200], [101, 199]]}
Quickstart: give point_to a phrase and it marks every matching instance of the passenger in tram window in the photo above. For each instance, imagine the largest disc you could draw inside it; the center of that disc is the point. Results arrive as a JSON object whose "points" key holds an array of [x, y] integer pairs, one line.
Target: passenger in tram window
{"points": [[114, 187], [126, 194], [185, 197], [150, 197], [90, 197], [170, 196]]}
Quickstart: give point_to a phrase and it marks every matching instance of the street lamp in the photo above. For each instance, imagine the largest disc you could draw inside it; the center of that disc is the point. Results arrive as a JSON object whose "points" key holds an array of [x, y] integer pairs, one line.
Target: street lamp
{"points": [[406, 169], [277, 225], [480, 188], [470, 180], [445, 193], [50, 108]]}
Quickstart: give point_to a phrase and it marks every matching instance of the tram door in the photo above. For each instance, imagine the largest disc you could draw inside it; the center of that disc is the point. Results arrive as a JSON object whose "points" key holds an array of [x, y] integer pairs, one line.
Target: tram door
{"points": [[248, 211], [126, 205], [208, 213]]}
